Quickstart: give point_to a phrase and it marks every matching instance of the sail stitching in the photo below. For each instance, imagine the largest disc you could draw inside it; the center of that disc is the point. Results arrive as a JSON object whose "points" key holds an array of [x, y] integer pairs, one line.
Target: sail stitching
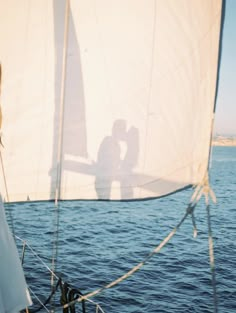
{"points": [[150, 81]]}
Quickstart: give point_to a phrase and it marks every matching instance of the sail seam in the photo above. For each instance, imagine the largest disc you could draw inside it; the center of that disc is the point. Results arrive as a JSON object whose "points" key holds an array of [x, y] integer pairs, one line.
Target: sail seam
{"points": [[150, 82], [62, 103]]}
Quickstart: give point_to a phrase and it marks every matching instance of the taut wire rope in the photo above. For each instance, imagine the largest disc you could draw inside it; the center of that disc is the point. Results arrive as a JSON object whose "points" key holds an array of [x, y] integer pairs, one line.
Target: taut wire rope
{"points": [[189, 210], [60, 142], [24, 245], [204, 188], [201, 189]]}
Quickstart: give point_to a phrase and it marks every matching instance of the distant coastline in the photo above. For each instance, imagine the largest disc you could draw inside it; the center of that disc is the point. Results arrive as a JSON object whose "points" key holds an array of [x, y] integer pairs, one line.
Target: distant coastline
{"points": [[227, 141]]}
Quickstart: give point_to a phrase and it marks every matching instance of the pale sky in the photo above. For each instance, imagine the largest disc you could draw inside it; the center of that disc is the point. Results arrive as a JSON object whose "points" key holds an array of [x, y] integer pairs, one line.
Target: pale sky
{"points": [[225, 120]]}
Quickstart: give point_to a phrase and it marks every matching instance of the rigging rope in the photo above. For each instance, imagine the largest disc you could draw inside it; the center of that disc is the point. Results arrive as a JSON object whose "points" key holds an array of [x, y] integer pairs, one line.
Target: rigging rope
{"points": [[212, 260], [39, 301], [37, 256], [60, 282], [43, 304], [62, 101], [60, 142], [201, 189], [208, 191], [55, 245], [137, 267], [204, 188]]}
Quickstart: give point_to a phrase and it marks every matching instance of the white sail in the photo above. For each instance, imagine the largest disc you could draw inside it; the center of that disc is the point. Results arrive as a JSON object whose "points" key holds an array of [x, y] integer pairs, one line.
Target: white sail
{"points": [[140, 89], [14, 295]]}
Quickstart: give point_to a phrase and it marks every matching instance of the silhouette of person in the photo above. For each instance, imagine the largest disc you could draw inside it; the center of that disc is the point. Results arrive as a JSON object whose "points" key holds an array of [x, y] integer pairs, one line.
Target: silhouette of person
{"points": [[129, 162], [109, 160]]}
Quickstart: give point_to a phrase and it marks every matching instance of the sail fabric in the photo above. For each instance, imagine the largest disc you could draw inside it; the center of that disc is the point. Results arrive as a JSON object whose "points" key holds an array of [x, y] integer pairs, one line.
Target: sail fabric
{"points": [[132, 116], [14, 295]]}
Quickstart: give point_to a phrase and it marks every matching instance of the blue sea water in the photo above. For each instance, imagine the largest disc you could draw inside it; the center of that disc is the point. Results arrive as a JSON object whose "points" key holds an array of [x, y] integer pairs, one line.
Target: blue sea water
{"points": [[100, 241]]}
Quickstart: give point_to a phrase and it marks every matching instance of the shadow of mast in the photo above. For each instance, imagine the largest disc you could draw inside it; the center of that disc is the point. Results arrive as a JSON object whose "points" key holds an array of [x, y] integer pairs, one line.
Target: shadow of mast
{"points": [[74, 133]]}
